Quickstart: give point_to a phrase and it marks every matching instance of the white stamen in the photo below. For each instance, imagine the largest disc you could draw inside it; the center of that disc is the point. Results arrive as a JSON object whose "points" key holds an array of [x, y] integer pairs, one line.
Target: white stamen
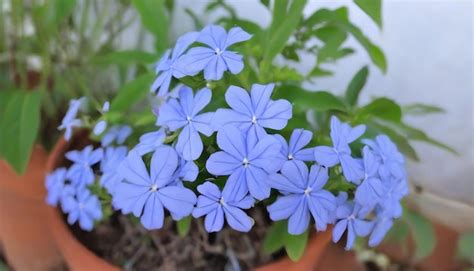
{"points": [[254, 119], [189, 119], [351, 217], [245, 162], [218, 51], [154, 188], [307, 191], [221, 201], [290, 156]]}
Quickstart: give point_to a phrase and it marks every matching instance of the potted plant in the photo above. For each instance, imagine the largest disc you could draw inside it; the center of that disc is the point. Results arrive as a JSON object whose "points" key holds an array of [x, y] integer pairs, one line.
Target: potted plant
{"points": [[231, 160]]}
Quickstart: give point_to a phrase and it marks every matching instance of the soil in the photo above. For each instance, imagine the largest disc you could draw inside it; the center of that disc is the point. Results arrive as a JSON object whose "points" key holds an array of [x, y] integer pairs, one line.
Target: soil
{"points": [[123, 242]]}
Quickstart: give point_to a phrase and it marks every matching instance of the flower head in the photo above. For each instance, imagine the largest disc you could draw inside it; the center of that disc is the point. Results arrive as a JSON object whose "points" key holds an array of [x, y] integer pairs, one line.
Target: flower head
{"points": [[246, 159], [391, 160], [118, 133], [187, 171], [215, 58], [351, 218], [149, 142], [215, 205], [110, 178], [252, 113], [146, 194], [70, 121], [168, 66], [55, 182], [184, 113], [295, 149], [303, 197], [371, 190], [82, 206], [100, 126], [341, 135], [80, 173]]}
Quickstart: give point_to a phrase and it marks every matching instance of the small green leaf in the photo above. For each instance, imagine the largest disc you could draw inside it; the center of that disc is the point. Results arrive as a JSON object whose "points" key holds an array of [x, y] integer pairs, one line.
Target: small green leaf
{"points": [[422, 232], [183, 226], [421, 109], [284, 22], [125, 58], [373, 8], [132, 92], [274, 239], [319, 72], [382, 108], [155, 19], [19, 123], [295, 245], [303, 99], [356, 85], [466, 247]]}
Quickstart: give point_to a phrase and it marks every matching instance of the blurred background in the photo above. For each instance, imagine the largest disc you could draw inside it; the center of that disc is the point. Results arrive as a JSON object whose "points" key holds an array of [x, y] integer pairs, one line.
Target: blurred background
{"points": [[428, 45]]}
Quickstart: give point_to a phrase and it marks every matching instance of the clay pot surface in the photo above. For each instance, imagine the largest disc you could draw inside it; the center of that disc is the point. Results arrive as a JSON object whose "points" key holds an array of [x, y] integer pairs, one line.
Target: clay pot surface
{"points": [[76, 256], [25, 236]]}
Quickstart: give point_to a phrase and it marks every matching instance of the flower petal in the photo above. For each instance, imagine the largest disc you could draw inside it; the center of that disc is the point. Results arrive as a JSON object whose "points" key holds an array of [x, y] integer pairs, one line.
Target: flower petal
{"points": [[338, 230], [231, 140], [203, 122], [189, 143], [351, 169], [153, 214], [130, 198], [318, 177], [236, 186], [215, 68], [363, 227], [201, 99], [236, 35], [182, 43], [214, 221], [299, 220], [276, 114], [239, 100], [257, 183], [326, 156], [237, 219], [214, 36], [163, 165], [283, 207], [234, 62], [221, 163], [195, 60], [178, 200], [210, 190], [171, 115]]}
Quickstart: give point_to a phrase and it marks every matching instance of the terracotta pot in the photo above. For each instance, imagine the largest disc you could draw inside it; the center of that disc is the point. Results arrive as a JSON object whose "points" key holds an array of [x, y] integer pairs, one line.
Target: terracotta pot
{"points": [[311, 257], [24, 232], [75, 255]]}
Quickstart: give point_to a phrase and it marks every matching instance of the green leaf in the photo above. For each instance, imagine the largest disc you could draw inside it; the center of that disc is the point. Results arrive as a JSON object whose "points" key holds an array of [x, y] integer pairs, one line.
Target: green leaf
{"points": [[319, 72], [421, 109], [382, 108], [356, 85], [183, 226], [295, 245], [155, 19], [283, 25], [373, 8], [422, 232], [132, 92], [19, 123], [125, 58], [303, 99], [466, 247], [274, 239]]}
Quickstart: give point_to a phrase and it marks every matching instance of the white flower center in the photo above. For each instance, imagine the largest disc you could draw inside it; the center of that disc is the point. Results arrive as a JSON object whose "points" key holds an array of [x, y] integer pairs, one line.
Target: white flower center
{"points": [[154, 188], [218, 51], [221, 201], [308, 190], [290, 156], [189, 119], [254, 119], [245, 162], [351, 217]]}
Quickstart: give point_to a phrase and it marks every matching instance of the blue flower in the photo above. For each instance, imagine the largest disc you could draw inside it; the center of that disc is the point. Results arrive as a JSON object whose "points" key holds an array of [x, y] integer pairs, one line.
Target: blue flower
{"points": [[109, 165], [80, 173], [82, 206], [341, 135], [246, 159], [100, 126], [371, 190], [70, 121], [395, 190], [187, 171], [147, 194], [149, 142], [183, 113], [168, 67], [214, 205], [118, 133], [55, 182], [295, 149], [215, 59], [382, 226], [255, 112], [303, 197], [392, 161], [351, 218]]}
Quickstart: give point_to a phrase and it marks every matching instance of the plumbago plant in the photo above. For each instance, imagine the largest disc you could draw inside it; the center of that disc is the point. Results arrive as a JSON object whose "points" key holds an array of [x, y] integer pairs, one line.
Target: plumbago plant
{"points": [[228, 130]]}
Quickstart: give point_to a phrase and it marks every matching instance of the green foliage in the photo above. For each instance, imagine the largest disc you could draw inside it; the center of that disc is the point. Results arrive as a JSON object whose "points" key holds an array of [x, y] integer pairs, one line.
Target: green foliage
{"points": [[278, 237], [465, 249], [124, 58], [421, 109], [373, 8], [18, 126], [155, 19], [356, 85], [422, 232], [183, 226], [132, 92]]}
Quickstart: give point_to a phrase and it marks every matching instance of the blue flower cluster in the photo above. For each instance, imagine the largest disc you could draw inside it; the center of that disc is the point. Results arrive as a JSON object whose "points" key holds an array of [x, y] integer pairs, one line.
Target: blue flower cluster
{"points": [[251, 159]]}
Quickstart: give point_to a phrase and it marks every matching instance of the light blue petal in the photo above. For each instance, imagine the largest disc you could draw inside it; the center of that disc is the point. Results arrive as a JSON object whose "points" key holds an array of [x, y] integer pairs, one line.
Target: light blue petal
{"points": [[299, 220], [239, 100], [256, 182], [163, 165], [214, 221], [297, 174], [318, 177], [276, 115], [133, 170], [215, 68], [182, 43], [232, 141], [196, 60], [171, 115], [203, 122], [178, 200], [204, 206], [283, 207], [351, 169], [236, 186], [202, 98], [214, 36], [210, 190], [237, 219], [381, 228], [189, 143], [221, 163], [234, 62], [299, 139], [236, 35], [363, 227], [338, 230], [153, 214]]}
